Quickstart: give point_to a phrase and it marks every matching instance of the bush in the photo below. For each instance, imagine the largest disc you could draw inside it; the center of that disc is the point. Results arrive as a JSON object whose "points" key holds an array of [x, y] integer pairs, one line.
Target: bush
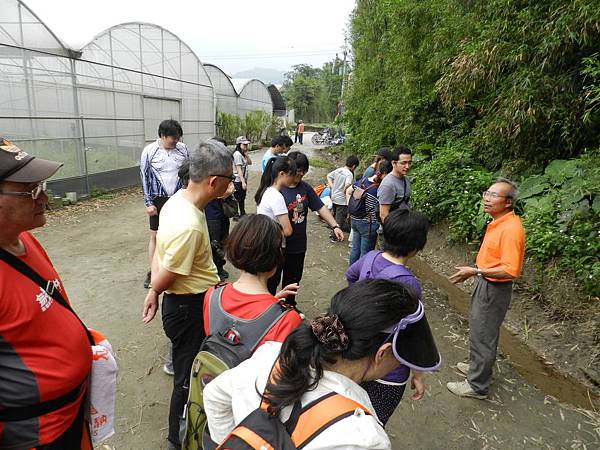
{"points": [[562, 217], [560, 208], [255, 124], [228, 126]]}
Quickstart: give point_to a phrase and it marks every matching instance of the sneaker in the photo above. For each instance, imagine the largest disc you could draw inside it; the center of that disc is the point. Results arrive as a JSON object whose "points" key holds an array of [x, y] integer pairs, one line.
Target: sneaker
{"points": [[464, 389], [168, 370], [147, 281], [463, 368]]}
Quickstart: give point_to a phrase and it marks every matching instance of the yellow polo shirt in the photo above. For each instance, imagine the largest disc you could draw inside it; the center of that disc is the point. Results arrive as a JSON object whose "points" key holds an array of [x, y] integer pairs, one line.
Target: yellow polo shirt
{"points": [[503, 245], [183, 246]]}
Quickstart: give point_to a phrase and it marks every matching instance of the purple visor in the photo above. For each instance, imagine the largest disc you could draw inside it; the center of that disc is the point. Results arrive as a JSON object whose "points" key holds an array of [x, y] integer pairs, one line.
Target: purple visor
{"points": [[413, 343]]}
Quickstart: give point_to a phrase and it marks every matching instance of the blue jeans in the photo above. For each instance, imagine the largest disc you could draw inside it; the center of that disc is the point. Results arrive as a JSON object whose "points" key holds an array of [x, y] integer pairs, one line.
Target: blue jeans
{"points": [[365, 238]]}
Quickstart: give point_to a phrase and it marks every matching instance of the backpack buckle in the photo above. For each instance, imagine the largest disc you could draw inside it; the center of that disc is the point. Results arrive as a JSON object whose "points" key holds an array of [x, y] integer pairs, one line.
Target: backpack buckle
{"points": [[232, 336]]}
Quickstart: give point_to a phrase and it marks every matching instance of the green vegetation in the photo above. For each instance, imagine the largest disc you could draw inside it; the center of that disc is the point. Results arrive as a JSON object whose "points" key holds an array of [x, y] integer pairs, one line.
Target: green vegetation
{"points": [[321, 163], [486, 89], [255, 125], [312, 92]]}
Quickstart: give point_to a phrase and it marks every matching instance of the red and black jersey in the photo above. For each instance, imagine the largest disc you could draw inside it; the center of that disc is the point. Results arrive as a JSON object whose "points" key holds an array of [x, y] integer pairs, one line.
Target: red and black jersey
{"points": [[44, 351]]}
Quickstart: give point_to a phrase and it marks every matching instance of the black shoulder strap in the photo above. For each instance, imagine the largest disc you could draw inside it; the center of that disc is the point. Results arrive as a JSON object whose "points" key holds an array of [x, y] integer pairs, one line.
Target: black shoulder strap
{"points": [[47, 286]]}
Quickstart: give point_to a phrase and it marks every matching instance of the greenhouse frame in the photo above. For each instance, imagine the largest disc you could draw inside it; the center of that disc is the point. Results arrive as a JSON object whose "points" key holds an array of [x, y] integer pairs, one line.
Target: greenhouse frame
{"points": [[95, 108]]}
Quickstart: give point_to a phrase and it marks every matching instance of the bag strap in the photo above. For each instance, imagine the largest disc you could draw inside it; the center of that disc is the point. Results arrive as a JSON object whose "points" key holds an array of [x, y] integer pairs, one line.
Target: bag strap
{"points": [[367, 265], [47, 286], [18, 413], [15, 414], [319, 415], [252, 331]]}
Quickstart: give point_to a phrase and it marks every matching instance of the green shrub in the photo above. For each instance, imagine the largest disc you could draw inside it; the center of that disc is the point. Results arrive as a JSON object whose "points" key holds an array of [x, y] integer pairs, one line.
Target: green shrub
{"points": [[562, 217], [228, 126]]}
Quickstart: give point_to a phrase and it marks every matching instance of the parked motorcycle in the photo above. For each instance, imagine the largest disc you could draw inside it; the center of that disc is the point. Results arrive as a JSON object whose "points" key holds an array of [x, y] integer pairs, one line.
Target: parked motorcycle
{"points": [[323, 137]]}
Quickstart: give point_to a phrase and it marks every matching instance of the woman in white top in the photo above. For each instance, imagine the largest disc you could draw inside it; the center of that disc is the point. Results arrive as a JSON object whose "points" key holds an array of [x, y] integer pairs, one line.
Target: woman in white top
{"points": [[355, 341], [279, 172]]}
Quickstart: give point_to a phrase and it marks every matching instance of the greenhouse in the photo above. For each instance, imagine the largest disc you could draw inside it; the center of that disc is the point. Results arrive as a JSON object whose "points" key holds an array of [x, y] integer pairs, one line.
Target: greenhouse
{"points": [[253, 95], [95, 108], [224, 91]]}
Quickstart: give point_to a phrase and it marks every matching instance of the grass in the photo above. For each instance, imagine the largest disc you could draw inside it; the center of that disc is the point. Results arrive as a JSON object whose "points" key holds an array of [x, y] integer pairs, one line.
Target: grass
{"points": [[321, 163]]}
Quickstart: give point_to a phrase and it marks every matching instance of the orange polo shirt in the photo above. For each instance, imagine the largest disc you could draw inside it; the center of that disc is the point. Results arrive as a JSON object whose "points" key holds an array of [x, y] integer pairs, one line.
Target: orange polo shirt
{"points": [[503, 246]]}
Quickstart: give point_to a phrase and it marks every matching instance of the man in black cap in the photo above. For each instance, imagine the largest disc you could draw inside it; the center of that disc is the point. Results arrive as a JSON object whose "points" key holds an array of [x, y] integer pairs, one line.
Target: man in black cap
{"points": [[45, 354]]}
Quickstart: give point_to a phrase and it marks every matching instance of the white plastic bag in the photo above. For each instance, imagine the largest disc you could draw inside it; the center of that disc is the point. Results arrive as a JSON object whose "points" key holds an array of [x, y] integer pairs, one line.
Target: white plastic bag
{"points": [[103, 390]]}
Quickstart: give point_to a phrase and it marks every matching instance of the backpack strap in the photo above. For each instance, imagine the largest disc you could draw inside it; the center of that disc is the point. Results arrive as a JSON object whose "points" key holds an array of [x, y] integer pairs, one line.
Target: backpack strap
{"points": [[252, 331], [319, 415], [367, 265]]}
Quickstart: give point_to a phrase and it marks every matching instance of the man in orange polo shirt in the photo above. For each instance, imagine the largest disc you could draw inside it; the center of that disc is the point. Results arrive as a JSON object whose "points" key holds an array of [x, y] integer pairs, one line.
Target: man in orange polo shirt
{"points": [[498, 263]]}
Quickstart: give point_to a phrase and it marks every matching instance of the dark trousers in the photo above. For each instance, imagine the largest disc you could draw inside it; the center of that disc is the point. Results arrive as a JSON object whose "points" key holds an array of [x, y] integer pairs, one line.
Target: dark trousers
{"points": [[340, 213], [292, 268], [218, 230], [300, 138], [74, 437], [183, 322], [489, 305], [240, 197]]}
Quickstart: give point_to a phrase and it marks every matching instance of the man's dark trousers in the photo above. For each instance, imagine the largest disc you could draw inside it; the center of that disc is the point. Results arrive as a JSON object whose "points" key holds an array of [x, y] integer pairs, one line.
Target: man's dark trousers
{"points": [[183, 322]]}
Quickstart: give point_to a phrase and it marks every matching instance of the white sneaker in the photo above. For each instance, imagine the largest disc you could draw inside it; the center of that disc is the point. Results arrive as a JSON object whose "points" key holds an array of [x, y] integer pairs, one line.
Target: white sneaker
{"points": [[464, 389], [463, 368], [168, 370]]}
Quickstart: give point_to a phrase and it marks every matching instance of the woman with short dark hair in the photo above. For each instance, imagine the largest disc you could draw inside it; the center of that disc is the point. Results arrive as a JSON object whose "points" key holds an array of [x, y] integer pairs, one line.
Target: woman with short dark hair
{"points": [[404, 235], [254, 247]]}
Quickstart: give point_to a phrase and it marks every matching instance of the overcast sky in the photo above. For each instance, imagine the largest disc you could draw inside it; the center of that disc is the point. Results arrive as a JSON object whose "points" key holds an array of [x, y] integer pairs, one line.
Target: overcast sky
{"points": [[233, 34]]}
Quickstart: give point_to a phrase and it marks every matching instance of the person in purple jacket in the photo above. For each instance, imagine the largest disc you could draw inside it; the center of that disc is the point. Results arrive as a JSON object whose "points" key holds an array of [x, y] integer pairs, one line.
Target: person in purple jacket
{"points": [[404, 235]]}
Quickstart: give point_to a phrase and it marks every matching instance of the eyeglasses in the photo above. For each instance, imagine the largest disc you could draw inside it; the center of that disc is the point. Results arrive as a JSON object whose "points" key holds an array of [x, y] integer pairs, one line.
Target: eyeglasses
{"points": [[229, 177], [34, 193], [493, 195]]}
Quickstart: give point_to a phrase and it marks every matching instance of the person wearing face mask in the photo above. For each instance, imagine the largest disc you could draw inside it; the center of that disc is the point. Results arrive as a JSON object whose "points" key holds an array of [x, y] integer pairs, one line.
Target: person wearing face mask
{"points": [[353, 342]]}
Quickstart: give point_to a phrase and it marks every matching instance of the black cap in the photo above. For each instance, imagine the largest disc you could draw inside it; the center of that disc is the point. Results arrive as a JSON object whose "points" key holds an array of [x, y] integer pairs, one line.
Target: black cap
{"points": [[21, 167]]}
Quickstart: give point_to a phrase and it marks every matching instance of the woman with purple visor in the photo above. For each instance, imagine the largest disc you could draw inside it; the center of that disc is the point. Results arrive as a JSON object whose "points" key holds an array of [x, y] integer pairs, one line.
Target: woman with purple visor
{"points": [[405, 234]]}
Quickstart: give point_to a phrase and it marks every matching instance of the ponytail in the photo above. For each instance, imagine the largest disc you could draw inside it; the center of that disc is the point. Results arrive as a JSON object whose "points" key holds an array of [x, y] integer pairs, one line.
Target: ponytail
{"points": [[274, 165], [357, 316]]}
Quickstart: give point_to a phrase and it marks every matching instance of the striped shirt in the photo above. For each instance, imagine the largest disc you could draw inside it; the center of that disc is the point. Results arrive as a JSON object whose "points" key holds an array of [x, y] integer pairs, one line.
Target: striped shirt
{"points": [[371, 201], [159, 170]]}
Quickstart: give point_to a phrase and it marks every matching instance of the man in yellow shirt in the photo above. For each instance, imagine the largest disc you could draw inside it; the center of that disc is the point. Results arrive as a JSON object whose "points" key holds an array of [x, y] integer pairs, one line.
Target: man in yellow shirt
{"points": [[498, 263], [183, 268]]}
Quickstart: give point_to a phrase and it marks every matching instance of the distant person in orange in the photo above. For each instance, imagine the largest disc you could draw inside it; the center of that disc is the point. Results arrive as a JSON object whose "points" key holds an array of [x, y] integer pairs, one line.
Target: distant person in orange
{"points": [[498, 263], [300, 131]]}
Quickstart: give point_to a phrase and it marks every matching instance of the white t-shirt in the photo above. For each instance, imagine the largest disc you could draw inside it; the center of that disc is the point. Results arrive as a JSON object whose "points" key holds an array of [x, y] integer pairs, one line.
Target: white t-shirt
{"points": [[272, 204], [234, 394], [341, 178]]}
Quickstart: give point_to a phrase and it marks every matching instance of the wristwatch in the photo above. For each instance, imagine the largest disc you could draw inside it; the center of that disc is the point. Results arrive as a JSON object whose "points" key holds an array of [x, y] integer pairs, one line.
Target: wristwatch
{"points": [[335, 226], [479, 274]]}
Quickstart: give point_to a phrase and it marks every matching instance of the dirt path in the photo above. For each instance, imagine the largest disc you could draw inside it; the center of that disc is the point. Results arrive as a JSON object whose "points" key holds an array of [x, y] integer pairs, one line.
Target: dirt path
{"points": [[99, 249]]}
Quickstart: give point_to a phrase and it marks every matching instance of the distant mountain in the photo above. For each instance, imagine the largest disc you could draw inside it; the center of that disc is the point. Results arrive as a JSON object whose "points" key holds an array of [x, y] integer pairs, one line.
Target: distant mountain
{"points": [[263, 74]]}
